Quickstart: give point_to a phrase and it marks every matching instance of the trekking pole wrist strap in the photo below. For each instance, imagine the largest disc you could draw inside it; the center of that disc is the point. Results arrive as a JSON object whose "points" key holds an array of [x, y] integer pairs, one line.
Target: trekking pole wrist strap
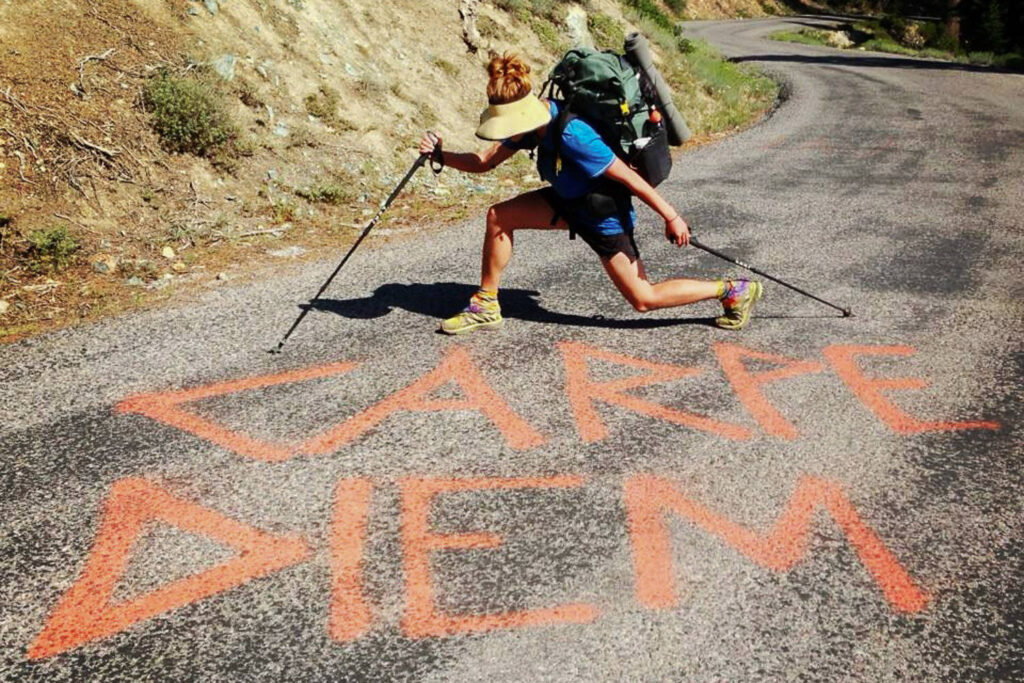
{"points": [[437, 159]]}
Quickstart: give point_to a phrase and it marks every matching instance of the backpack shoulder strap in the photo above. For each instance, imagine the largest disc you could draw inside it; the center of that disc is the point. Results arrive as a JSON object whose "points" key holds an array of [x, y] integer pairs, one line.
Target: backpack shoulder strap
{"points": [[565, 116]]}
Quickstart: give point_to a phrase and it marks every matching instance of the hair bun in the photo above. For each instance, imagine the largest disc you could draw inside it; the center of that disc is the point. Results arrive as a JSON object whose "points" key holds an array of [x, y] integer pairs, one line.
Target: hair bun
{"points": [[507, 66], [509, 78]]}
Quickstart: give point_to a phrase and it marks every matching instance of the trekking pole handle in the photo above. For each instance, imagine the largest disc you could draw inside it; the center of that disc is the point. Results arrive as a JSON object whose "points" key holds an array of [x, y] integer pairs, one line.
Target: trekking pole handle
{"points": [[437, 157]]}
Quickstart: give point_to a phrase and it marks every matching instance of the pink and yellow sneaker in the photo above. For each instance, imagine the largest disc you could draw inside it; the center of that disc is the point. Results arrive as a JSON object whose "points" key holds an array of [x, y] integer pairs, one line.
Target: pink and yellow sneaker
{"points": [[738, 301], [481, 314]]}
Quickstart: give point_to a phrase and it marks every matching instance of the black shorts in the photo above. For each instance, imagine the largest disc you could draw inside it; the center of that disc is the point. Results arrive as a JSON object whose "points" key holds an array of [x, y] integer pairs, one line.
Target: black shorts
{"points": [[605, 246]]}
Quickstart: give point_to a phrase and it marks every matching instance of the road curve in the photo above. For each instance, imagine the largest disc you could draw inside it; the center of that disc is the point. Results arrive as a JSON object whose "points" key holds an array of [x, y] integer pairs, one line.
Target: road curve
{"points": [[589, 494]]}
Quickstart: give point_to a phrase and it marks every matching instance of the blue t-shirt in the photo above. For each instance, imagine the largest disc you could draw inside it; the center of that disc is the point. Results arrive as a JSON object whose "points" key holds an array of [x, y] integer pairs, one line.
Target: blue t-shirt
{"points": [[585, 157]]}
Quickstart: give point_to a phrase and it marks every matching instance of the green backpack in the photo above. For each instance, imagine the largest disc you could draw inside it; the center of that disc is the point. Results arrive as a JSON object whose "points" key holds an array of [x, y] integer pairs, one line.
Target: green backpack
{"points": [[605, 90]]}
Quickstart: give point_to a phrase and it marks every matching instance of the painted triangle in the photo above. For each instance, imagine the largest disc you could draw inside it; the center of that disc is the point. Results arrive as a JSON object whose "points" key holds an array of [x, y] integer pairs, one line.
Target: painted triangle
{"points": [[162, 554], [167, 408], [87, 612]]}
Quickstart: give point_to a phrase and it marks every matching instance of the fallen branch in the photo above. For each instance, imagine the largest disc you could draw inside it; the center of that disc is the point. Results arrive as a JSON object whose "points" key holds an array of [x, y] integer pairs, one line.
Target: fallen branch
{"points": [[82, 142], [13, 101], [73, 182], [91, 58], [196, 199], [31, 148], [266, 231], [43, 288], [21, 168], [69, 219]]}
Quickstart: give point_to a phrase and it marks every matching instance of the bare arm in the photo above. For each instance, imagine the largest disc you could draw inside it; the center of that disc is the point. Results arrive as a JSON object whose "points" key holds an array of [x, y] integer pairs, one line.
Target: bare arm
{"points": [[676, 228], [469, 162]]}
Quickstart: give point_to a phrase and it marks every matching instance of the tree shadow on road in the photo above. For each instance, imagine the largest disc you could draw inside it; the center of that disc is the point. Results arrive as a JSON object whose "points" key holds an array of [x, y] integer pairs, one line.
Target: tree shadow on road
{"points": [[443, 299], [869, 61]]}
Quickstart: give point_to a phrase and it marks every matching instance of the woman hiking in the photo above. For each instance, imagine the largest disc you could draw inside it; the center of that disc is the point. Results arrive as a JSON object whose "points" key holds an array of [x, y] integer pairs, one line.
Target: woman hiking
{"points": [[586, 167]]}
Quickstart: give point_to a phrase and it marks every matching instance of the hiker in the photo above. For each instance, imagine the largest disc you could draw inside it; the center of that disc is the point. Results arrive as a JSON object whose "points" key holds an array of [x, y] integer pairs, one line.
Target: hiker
{"points": [[590, 194]]}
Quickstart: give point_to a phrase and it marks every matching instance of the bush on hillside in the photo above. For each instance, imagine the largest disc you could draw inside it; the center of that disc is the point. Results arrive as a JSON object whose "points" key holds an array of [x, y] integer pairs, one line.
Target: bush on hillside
{"points": [[650, 10], [51, 250], [548, 34], [491, 29], [323, 104], [677, 6], [327, 193], [608, 33], [188, 115], [551, 10], [936, 36]]}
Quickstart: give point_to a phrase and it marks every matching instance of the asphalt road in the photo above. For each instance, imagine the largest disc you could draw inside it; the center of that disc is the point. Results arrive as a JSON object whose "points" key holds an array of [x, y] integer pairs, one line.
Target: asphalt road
{"points": [[381, 502]]}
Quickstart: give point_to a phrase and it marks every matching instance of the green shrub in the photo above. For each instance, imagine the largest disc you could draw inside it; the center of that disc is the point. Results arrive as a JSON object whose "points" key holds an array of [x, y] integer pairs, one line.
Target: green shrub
{"points": [[447, 67], [657, 35], [491, 29], [283, 210], [548, 34], [936, 36], [187, 114], [893, 26], [870, 28], [1011, 60], [512, 6], [607, 32], [248, 94], [52, 249], [983, 58], [714, 94], [932, 53], [677, 6], [329, 193], [323, 104], [302, 136], [549, 9], [649, 9], [552, 10], [887, 45], [805, 36]]}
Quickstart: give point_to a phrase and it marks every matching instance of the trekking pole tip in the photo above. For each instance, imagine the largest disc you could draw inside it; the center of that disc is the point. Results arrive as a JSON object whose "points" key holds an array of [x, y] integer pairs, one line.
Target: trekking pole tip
{"points": [[847, 313]]}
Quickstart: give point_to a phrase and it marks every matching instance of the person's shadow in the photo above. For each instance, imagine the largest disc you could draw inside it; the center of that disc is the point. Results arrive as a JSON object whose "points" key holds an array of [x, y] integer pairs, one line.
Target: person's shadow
{"points": [[444, 299]]}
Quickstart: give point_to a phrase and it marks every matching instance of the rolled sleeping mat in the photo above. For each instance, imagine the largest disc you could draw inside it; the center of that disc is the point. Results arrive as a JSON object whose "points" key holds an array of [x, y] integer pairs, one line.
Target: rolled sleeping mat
{"points": [[639, 55]]}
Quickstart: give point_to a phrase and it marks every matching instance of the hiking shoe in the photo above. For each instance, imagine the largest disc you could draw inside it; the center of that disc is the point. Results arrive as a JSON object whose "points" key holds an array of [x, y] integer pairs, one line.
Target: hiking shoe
{"points": [[478, 315], [738, 303]]}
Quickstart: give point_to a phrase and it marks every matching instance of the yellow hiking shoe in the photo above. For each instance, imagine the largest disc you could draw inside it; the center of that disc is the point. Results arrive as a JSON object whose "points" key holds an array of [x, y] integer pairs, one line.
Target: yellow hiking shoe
{"points": [[738, 303], [480, 314]]}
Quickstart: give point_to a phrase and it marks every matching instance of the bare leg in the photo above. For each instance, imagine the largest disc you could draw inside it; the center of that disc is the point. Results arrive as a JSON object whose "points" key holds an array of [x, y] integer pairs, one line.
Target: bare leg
{"points": [[631, 280], [527, 211]]}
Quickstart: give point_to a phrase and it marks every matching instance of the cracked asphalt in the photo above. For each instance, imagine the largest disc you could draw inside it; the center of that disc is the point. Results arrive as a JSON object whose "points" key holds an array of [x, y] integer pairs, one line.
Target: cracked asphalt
{"points": [[588, 494]]}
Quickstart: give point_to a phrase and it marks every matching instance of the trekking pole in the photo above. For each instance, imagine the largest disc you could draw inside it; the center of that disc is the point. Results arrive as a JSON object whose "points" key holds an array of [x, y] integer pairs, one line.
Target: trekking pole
{"points": [[847, 313], [366, 231]]}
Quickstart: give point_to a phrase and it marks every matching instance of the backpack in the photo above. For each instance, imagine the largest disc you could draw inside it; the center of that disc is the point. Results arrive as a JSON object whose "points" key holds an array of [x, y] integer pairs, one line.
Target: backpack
{"points": [[604, 89]]}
